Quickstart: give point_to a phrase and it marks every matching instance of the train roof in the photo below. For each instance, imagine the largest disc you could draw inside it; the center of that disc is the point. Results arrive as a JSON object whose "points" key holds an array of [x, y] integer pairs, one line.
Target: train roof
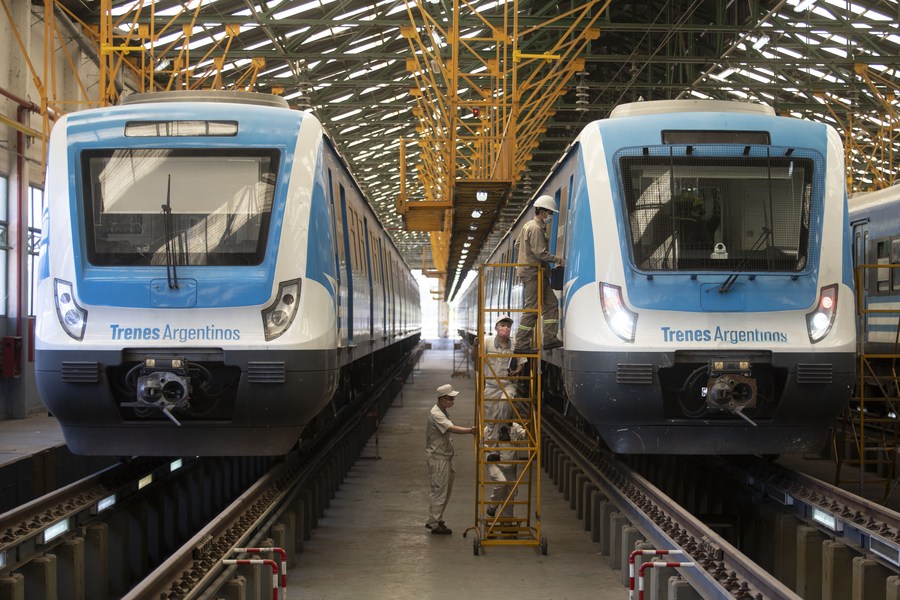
{"points": [[230, 96], [864, 200], [655, 107]]}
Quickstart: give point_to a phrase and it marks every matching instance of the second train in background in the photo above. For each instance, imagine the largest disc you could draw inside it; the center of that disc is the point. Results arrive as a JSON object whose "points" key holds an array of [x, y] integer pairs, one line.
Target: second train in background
{"points": [[708, 296]]}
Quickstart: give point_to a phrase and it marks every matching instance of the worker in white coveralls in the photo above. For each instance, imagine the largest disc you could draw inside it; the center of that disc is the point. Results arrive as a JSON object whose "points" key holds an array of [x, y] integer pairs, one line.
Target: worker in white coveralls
{"points": [[439, 457]]}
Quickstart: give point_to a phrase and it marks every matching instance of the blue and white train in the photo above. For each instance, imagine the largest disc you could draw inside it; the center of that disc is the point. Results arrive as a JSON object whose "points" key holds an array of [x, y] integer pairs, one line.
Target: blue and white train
{"points": [[708, 297], [875, 226], [211, 278]]}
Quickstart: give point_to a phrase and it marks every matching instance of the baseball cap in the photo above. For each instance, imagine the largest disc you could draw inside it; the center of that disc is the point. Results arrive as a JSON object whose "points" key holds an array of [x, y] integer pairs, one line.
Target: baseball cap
{"points": [[502, 318], [446, 390]]}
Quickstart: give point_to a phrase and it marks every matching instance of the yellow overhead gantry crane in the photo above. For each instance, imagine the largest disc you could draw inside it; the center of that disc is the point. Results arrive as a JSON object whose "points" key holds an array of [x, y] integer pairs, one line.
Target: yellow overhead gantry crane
{"points": [[485, 87]]}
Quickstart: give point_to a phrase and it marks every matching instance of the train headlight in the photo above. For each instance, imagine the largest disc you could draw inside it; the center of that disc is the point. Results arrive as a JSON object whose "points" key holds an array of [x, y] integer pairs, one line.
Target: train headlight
{"points": [[820, 320], [72, 317], [279, 315], [620, 319]]}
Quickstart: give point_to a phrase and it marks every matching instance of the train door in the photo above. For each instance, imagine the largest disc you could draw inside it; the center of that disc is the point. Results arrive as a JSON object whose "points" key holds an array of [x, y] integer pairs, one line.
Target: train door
{"points": [[384, 289], [339, 261], [369, 277], [348, 267], [392, 313]]}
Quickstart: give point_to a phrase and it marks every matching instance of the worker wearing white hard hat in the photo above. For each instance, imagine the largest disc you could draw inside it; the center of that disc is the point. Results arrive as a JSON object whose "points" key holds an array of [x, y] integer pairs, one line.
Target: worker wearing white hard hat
{"points": [[533, 254], [498, 389]]}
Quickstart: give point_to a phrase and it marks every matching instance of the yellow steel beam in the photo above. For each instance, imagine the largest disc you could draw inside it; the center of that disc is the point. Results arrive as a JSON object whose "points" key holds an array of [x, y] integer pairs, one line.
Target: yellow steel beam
{"points": [[482, 98]]}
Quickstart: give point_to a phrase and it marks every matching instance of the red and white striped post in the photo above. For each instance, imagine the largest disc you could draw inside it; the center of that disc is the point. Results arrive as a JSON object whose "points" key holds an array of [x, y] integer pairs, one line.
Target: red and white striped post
{"points": [[650, 565], [631, 558], [259, 561], [276, 550]]}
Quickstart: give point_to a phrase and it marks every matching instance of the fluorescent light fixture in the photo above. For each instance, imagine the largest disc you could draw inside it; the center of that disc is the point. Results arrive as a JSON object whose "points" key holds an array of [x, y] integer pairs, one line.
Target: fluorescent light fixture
{"points": [[2, 560], [145, 481], [826, 519], [175, 465], [106, 503], [56, 530], [885, 549]]}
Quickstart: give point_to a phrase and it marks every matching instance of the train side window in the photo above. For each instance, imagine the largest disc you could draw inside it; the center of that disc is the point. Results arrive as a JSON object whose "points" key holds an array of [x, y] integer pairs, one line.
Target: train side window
{"points": [[884, 275], [561, 218], [341, 255], [895, 260], [351, 229]]}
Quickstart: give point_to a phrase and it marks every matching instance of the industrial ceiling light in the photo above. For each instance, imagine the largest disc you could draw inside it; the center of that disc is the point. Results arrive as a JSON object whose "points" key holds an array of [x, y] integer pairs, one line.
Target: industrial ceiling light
{"points": [[481, 196], [476, 214]]}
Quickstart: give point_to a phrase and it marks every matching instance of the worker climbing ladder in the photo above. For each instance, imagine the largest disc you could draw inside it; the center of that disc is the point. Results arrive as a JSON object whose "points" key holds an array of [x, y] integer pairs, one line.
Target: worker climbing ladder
{"points": [[507, 448]]}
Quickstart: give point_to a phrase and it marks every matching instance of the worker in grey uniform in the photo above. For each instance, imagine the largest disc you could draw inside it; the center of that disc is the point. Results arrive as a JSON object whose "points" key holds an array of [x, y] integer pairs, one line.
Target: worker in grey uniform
{"points": [[503, 469], [532, 250], [439, 457]]}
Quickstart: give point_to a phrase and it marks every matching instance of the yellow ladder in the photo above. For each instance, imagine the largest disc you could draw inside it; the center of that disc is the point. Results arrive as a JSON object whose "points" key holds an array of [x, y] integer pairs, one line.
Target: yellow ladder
{"points": [[513, 518]]}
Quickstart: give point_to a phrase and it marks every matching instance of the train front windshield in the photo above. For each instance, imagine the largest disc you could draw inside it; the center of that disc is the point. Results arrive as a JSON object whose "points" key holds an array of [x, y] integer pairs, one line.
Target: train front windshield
{"points": [[190, 207], [713, 213]]}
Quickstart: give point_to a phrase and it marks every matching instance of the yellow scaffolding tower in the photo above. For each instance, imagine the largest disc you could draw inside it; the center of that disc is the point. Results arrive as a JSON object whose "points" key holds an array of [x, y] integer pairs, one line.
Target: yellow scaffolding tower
{"points": [[513, 518], [870, 428]]}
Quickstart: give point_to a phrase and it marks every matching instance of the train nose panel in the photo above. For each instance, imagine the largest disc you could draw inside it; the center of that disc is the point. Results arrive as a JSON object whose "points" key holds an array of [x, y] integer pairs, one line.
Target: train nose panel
{"points": [[711, 299], [183, 296]]}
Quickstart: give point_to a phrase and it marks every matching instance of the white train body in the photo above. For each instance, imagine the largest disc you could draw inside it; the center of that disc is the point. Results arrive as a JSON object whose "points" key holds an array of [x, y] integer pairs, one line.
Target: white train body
{"points": [[708, 301], [210, 271]]}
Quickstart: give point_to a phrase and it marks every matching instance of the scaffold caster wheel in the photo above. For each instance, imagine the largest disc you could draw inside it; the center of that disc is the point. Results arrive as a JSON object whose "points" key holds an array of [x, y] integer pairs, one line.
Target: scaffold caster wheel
{"points": [[476, 546], [543, 545]]}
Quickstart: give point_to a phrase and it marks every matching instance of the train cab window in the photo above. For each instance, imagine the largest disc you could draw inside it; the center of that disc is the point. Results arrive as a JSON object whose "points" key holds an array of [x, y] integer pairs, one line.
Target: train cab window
{"points": [[228, 224], [701, 210]]}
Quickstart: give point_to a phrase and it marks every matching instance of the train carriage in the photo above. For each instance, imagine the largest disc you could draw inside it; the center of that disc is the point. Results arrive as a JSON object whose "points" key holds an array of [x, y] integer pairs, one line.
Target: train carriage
{"points": [[708, 300], [210, 277]]}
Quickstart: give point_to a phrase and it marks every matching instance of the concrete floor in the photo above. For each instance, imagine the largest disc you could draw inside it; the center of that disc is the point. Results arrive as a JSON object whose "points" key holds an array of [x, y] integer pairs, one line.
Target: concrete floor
{"points": [[372, 542]]}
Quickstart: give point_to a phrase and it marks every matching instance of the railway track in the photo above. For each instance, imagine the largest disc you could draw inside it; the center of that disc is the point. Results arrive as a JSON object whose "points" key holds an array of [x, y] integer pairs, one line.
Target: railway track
{"points": [[170, 528], [750, 528]]}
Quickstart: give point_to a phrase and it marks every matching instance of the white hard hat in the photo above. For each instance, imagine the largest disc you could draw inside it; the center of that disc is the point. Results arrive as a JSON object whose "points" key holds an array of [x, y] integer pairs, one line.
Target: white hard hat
{"points": [[502, 318], [546, 202]]}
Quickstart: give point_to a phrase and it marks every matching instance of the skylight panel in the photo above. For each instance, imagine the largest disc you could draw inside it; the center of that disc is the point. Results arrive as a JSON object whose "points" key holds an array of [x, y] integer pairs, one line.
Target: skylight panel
{"points": [[347, 115], [364, 47], [353, 13], [292, 34], [835, 51], [787, 52], [740, 94], [296, 10], [331, 32], [340, 99]]}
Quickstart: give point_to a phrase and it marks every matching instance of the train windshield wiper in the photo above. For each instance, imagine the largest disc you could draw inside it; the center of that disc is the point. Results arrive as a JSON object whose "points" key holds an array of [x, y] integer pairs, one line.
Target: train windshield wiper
{"points": [[757, 245], [171, 272]]}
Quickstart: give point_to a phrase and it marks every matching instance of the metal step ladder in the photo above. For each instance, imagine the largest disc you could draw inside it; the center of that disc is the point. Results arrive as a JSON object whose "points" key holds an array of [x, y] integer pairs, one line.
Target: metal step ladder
{"points": [[508, 455]]}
